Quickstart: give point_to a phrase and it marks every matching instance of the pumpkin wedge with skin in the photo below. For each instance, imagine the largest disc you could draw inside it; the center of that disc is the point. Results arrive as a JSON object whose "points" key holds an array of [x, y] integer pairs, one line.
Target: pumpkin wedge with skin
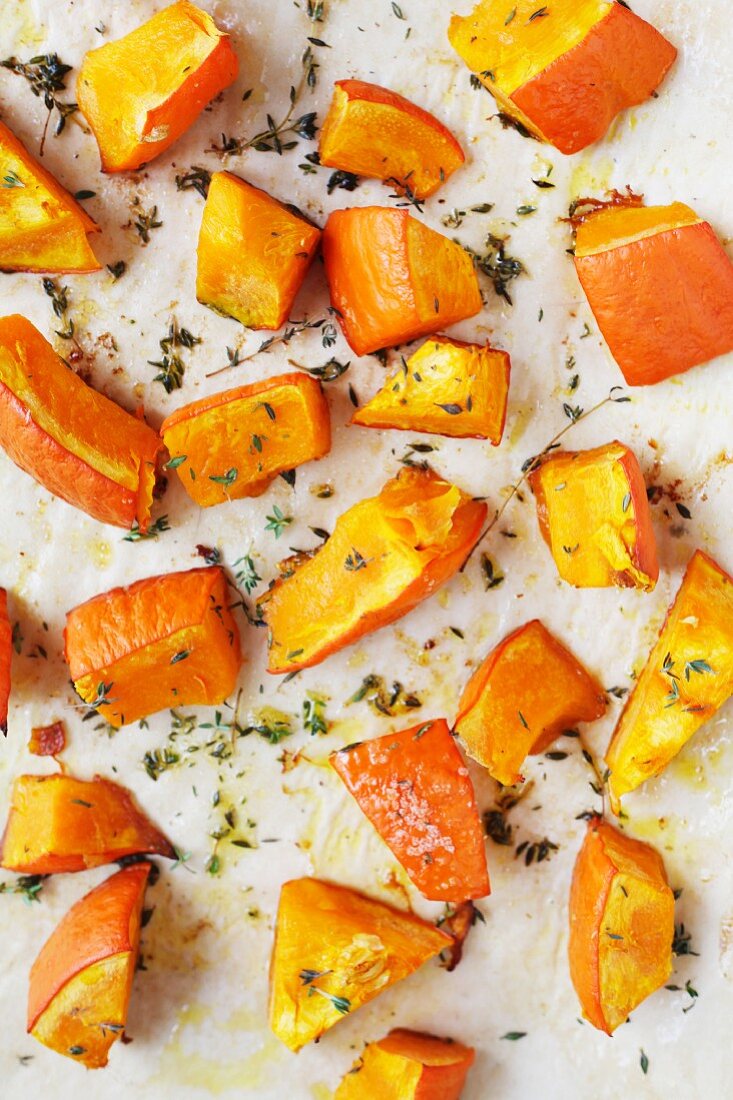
{"points": [[408, 1065], [141, 92], [233, 444], [415, 789], [61, 824], [74, 441], [6, 653], [595, 517], [392, 279], [42, 228], [386, 554], [334, 951], [660, 285], [167, 641], [253, 253], [565, 70], [80, 983], [621, 925], [371, 131], [527, 691], [687, 678]]}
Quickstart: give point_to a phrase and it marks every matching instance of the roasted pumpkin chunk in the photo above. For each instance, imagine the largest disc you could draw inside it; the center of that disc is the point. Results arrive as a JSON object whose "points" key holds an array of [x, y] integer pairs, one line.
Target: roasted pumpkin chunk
{"points": [[621, 925], [140, 93], [6, 653], [446, 387], [374, 132], [594, 515], [392, 279], [80, 983], [74, 441], [233, 444], [334, 951], [415, 789], [408, 1065], [58, 824], [168, 641], [253, 253], [385, 555], [524, 695], [563, 71], [660, 285], [687, 678]]}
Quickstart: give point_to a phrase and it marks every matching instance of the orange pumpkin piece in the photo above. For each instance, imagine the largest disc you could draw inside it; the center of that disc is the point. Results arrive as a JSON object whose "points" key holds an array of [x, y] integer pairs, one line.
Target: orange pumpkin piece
{"points": [[47, 740], [446, 387], [61, 824], [167, 641], [408, 1065], [42, 228], [253, 253], [233, 444], [374, 132], [80, 983], [392, 279], [687, 678], [140, 93], [563, 71], [386, 554], [415, 789], [660, 285], [74, 441], [6, 652], [621, 925], [527, 691], [594, 515], [334, 951]]}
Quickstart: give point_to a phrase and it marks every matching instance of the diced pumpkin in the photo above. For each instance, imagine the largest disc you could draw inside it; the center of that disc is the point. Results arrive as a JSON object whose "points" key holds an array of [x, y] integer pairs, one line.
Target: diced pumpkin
{"points": [[6, 653], [47, 740], [594, 515], [233, 444], [565, 70], [408, 1065], [74, 441], [527, 691], [385, 555], [141, 92], [60, 824], [621, 925], [392, 279], [334, 951], [167, 641], [80, 983], [446, 387], [371, 131], [253, 253], [415, 789], [687, 678], [42, 228], [660, 285]]}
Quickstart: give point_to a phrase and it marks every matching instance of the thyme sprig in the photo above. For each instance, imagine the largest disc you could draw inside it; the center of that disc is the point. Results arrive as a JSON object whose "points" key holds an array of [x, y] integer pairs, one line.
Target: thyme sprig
{"points": [[292, 329], [46, 75], [171, 366]]}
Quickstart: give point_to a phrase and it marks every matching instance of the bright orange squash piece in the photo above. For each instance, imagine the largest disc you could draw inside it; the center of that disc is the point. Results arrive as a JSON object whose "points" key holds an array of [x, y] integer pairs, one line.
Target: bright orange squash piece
{"points": [[660, 285], [564, 70], [527, 691], [74, 441], [6, 653], [415, 789], [408, 1065], [446, 387], [594, 515], [168, 641], [687, 678], [621, 925], [233, 444], [374, 132], [253, 253], [140, 93], [60, 824], [385, 555], [392, 279], [80, 983], [334, 951]]}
